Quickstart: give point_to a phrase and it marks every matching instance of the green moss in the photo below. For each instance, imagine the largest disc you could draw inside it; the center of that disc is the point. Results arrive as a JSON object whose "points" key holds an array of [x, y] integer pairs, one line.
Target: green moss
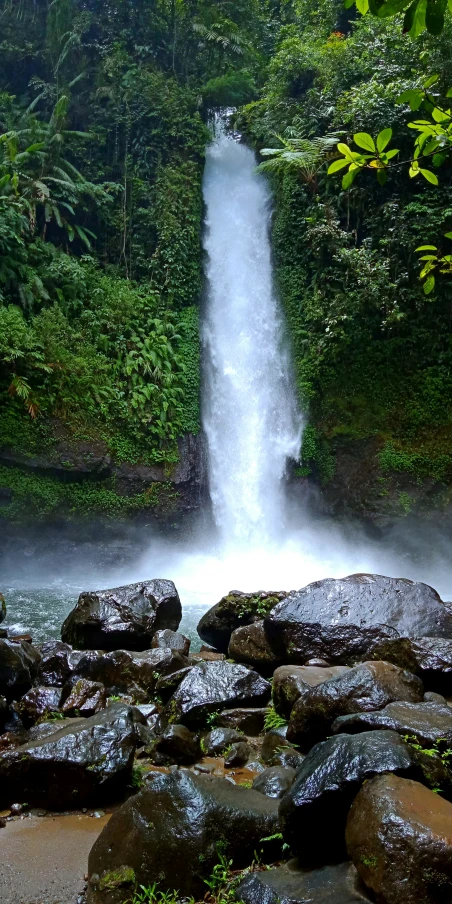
{"points": [[125, 875], [36, 496]]}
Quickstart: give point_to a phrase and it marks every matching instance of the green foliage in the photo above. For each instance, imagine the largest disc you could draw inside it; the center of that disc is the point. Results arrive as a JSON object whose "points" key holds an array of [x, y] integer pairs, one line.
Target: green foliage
{"points": [[234, 89], [35, 496], [273, 720]]}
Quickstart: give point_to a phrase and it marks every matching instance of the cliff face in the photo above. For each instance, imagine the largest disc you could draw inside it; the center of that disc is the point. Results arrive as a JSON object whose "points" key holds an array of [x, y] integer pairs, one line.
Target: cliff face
{"points": [[76, 479]]}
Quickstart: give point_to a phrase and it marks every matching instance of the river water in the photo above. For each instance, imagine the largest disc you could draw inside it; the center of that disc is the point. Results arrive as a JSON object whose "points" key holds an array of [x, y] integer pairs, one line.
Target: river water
{"points": [[258, 538]]}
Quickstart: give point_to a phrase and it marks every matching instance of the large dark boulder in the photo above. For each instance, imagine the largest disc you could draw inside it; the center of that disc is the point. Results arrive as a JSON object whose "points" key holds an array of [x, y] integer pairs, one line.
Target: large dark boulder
{"points": [[215, 742], [80, 762], [276, 749], [288, 884], [399, 836], [2, 608], [171, 832], [339, 620], [249, 644], [366, 687], [250, 720], [233, 611], [289, 681], [38, 703], [123, 671], [123, 618], [171, 640], [85, 699], [313, 813], [433, 657], [426, 723], [18, 666], [211, 686], [274, 781], [58, 662], [177, 744]]}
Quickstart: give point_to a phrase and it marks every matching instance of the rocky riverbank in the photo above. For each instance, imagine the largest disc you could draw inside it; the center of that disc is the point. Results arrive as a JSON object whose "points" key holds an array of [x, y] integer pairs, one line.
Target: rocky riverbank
{"points": [[312, 733]]}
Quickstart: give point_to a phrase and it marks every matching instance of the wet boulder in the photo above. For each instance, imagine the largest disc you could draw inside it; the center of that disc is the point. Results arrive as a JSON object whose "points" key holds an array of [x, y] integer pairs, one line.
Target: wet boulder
{"points": [[171, 830], [167, 684], [250, 720], [171, 640], [237, 754], [426, 723], [123, 671], [275, 745], [399, 836], [38, 704], [232, 612], [274, 781], [339, 620], [288, 884], [211, 686], [18, 666], [215, 742], [2, 608], [58, 662], [289, 681], [433, 656], [313, 812], [4, 712], [124, 617], [249, 644], [177, 744], [368, 686], [80, 761], [85, 699]]}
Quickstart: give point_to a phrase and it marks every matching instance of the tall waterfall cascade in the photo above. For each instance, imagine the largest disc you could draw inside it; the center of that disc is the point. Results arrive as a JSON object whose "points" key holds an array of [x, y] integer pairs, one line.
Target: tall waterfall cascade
{"points": [[250, 413]]}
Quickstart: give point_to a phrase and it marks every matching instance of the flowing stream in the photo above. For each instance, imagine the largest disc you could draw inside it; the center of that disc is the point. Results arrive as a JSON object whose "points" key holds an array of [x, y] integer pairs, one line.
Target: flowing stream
{"points": [[249, 410], [253, 428]]}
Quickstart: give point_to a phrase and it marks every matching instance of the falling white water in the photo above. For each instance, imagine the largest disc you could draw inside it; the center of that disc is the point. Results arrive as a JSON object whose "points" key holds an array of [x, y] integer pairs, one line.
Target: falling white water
{"points": [[249, 411]]}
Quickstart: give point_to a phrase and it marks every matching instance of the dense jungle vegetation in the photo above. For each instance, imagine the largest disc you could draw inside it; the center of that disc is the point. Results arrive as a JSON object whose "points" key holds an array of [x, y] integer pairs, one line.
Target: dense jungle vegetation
{"points": [[103, 124]]}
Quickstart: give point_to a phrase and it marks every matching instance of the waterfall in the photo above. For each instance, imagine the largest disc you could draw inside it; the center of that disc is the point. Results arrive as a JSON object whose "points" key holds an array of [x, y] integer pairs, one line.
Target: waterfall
{"points": [[250, 414]]}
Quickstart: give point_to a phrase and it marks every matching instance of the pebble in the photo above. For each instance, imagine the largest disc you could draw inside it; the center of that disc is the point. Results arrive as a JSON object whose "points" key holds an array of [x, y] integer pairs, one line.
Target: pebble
{"points": [[97, 814]]}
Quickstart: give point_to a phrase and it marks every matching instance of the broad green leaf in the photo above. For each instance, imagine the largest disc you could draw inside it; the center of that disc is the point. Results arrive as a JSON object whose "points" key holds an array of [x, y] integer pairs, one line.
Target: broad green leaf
{"points": [[348, 3], [362, 6], [348, 179], [392, 153], [345, 150], [413, 97], [382, 176], [390, 8], [418, 19], [431, 81], [365, 141], [440, 115], [434, 16], [438, 159], [426, 248], [431, 177], [448, 235], [429, 285], [337, 165], [383, 139], [429, 257], [449, 93]]}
